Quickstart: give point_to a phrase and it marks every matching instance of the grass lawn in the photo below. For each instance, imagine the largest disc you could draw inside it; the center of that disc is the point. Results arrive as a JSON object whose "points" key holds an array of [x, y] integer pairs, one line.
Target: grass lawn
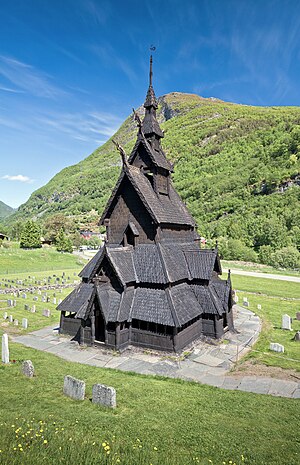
{"points": [[157, 421], [250, 266], [276, 299], [16, 260]]}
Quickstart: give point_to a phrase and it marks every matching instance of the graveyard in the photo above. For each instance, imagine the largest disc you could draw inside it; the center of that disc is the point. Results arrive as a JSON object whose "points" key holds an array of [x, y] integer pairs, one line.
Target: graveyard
{"points": [[39, 423]]}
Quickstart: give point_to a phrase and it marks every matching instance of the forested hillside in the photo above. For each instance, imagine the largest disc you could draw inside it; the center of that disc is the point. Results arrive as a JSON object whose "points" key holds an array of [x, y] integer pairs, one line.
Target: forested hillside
{"points": [[237, 168], [5, 210]]}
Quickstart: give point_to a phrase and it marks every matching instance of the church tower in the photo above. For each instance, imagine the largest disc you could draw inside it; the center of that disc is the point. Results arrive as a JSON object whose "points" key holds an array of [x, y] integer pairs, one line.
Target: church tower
{"points": [[150, 285]]}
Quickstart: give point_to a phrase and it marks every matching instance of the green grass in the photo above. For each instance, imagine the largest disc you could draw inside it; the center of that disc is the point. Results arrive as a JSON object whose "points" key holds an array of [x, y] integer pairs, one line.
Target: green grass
{"points": [[276, 299], [16, 260], [259, 268], [186, 422], [270, 287]]}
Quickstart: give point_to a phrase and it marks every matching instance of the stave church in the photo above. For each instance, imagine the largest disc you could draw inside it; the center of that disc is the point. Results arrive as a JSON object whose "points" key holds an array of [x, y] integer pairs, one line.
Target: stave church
{"points": [[150, 285]]}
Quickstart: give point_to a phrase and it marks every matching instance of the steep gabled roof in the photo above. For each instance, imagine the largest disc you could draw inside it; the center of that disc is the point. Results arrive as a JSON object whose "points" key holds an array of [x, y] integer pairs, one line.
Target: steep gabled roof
{"points": [[78, 300], [152, 305], [109, 300], [89, 268], [162, 208], [156, 156], [201, 262]]}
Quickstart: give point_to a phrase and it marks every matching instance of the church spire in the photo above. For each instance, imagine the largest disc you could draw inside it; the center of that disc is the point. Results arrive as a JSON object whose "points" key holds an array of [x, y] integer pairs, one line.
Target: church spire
{"points": [[150, 124]]}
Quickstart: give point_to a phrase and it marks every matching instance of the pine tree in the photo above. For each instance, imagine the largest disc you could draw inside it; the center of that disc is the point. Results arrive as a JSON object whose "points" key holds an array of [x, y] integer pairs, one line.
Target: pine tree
{"points": [[63, 243], [31, 236]]}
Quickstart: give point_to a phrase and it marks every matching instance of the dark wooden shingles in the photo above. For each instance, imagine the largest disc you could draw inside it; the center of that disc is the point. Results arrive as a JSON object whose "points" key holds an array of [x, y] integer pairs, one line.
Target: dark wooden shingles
{"points": [[185, 303], [152, 305], [79, 297]]}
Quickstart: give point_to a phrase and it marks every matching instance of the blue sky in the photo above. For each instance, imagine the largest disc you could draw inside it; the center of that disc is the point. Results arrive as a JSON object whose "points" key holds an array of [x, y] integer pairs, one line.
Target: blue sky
{"points": [[71, 70]]}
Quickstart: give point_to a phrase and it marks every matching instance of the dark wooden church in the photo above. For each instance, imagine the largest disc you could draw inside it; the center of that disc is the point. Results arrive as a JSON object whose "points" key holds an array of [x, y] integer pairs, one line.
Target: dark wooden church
{"points": [[150, 285]]}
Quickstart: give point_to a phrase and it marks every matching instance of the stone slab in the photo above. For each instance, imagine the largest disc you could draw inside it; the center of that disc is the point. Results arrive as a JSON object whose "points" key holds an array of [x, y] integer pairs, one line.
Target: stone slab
{"points": [[104, 395], [208, 360], [27, 368], [74, 388]]}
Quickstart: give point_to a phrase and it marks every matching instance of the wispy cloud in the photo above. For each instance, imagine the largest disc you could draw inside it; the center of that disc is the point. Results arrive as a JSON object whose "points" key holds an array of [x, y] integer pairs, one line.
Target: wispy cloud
{"points": [[98, 13], [28, 78], [112, 59], [18, 177], [8, 89], [85, 127]]}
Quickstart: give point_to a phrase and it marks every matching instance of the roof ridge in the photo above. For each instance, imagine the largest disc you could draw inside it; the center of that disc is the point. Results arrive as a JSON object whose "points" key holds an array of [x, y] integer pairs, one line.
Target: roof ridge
{"points": [[172, 307]]}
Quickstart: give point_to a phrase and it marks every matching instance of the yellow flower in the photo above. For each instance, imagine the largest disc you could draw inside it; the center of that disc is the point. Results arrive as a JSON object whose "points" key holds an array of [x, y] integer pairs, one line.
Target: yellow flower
{"points": [[21, 450], [108, 452], [103, 444], [19, 445], [155, 448], [106, 447], [59, 447], [45, 441]]}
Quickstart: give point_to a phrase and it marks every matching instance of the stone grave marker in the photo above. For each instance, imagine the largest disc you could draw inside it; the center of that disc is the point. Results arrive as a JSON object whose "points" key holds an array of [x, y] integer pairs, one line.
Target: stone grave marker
{"points": [[24, 296], [10, 303], [39, 292], [33, 309], [276, 347], [298, 316], [10, 318], [5, 315], [46, 313], [104, 395], [245, 303], [35, 298], [27, 368], [74, 388], [24, 323], [26, 307], [297, 336], [258, 307], [15, 303], [54, 300], [286, 322], [16, 323], [5, 349]]}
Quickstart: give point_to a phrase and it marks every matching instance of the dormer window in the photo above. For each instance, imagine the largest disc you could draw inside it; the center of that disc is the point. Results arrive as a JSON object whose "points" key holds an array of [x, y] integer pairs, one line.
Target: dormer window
{"points": [[131, 235]]}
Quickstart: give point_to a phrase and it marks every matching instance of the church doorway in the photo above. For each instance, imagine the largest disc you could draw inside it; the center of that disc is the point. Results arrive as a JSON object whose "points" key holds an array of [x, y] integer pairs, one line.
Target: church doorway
{"points": [[99, 326]]}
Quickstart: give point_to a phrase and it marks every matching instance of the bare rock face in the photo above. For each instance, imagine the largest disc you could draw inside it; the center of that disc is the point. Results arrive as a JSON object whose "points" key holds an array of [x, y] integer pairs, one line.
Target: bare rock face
{"points": [[27, 368]]}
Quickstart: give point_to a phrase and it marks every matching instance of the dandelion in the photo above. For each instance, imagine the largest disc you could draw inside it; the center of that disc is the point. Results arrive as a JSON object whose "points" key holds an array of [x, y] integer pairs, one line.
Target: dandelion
{"points": [[155, 448], [21, 450], [59, 447], [108, 452], [103, 444], [45, 441]]}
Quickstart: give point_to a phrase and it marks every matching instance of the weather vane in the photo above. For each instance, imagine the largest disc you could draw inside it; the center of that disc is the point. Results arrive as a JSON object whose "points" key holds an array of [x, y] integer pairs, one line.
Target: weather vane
{"points": [[152, 48]]}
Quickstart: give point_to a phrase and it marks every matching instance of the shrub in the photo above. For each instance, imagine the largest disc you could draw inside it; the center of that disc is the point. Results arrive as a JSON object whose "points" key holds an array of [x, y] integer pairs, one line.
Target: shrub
{"points": [[287, 257]]}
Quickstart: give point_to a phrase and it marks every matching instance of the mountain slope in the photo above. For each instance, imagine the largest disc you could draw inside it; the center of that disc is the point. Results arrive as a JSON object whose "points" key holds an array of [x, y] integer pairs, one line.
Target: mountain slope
{"points": [[5, 210], [237, 168]]}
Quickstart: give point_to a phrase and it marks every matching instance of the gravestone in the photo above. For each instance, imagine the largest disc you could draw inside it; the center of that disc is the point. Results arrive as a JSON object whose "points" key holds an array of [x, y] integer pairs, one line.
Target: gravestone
{"points": [[25, 323], [10, 318], [46, 313], [27, 368], [24, 296], [10, 303], [74, 388], [43, 299], [297, 336], [104, 395], [276, 347], [16, 323], [39, 292], [26, 307], [54, 300], [5, 315], [286, 322], [33, 309], [258, 307], [245, 303], [35, 298], [15, 303], [5, 349], [298, 316]]}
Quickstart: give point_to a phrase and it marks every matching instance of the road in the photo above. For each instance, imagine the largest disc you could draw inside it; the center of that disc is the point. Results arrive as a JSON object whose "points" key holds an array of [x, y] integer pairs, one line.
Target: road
{"points": [[256, 274]]}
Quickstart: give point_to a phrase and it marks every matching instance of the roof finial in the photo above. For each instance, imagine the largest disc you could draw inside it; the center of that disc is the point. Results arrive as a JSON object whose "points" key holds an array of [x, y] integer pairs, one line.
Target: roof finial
{"points": [[151, 72], [122, 153]]}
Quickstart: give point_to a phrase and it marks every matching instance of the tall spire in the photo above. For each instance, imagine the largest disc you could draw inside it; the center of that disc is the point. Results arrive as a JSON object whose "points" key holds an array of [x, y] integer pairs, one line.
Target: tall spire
{"points": [[150, 124]]}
